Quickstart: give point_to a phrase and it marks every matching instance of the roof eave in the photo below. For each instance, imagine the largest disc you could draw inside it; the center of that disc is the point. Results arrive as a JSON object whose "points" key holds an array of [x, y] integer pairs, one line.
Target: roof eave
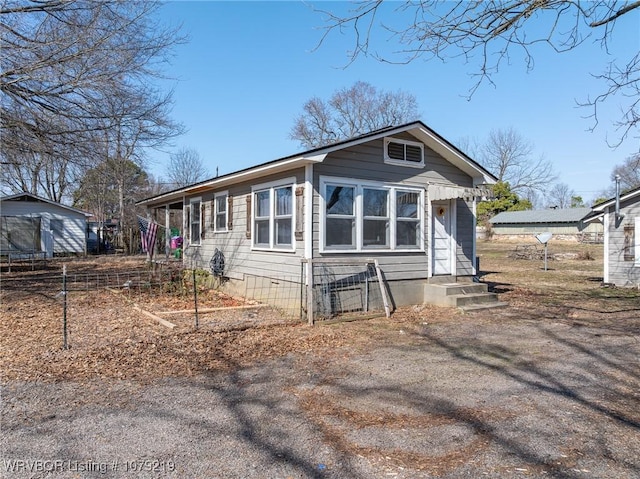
{"points": [[233, 178]]}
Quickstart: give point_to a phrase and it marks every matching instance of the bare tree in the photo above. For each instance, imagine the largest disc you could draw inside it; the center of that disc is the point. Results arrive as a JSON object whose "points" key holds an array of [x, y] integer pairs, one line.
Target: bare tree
{"points": [[629, 172], [63, 62], [350, 112], [489, 33], [509, 157], [186, 167], [560, 195]]}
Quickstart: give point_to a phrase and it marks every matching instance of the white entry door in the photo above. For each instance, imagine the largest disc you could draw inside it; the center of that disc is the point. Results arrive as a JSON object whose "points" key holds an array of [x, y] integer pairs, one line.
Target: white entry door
{"points": [[441, 238]]}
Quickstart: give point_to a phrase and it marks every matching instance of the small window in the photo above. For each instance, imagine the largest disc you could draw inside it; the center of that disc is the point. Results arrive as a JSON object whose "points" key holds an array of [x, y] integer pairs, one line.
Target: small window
{"points": [[403, 152], [195, 216], [57, 227], [629, 243], [220, 213]]}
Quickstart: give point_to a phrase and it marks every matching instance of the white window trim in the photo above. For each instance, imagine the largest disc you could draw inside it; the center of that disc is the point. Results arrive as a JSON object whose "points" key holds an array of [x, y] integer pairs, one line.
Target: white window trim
{"points": [[359, 185], [394, 161], [191, 216], [226, 211], [271, 186], [636, 236]]}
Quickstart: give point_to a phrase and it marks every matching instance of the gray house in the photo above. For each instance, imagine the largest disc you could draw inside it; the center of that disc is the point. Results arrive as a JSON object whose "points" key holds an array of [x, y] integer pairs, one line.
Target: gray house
{"points": [[402, 196], [621, 238], [568, 223], [31, 224]]}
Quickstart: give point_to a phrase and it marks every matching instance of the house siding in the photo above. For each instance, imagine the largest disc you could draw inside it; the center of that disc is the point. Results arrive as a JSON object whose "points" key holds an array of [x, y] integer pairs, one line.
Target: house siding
{"points": [[73, 239], [621, 272], [240, 259], [405, 272], [361, 161]]}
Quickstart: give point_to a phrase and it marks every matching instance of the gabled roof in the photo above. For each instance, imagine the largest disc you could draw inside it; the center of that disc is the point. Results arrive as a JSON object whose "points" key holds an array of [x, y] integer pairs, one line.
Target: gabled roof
{"points": [[316, 155], [611, 202], [38, 199], [567, 215]]}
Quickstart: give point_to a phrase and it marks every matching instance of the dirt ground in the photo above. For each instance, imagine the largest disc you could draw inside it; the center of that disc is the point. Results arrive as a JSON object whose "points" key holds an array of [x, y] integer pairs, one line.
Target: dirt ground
{"points": [[547, 387]]}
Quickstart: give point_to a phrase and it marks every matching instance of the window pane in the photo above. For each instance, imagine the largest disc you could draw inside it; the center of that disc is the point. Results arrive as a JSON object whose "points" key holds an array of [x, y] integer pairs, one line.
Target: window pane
{"points": [[283, 232], [283, 201], [340, 232], [195, 232], [375, 202], [221, 204], [340, 200], [375, 233], [195, 222], [57, 226], [395, 150], [262, 232], [262, 203], [221, 222], [406, 204], [407, 233]]}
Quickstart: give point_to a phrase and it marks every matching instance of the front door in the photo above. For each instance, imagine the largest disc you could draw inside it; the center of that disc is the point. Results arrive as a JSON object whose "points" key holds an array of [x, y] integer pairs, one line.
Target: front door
{"points": [[441, 238]]}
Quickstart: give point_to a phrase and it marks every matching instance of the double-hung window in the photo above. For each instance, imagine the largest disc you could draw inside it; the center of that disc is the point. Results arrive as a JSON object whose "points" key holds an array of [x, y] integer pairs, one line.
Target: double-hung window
{"points": [[375, 218], [407, 219], [273, 216], [362, 216], [195, 205], [220, 212], [340, 219]]}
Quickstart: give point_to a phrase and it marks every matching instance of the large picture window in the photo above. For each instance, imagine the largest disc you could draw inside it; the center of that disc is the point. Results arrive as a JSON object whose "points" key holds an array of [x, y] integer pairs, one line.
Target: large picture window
{"points": [[365, 216], [273, 216]]}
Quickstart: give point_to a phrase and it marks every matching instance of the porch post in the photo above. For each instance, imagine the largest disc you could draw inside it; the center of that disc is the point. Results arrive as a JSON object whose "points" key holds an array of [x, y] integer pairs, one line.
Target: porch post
{"points": [[167, 236]]}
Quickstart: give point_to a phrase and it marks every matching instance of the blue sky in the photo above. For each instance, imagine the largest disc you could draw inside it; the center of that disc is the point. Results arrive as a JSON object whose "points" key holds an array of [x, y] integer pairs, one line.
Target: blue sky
{"points": [[249, 67]]}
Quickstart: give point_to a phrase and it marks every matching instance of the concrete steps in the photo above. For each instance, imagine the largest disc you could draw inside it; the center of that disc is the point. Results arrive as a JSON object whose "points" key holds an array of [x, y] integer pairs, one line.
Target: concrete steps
{"points": [[467, 296]]}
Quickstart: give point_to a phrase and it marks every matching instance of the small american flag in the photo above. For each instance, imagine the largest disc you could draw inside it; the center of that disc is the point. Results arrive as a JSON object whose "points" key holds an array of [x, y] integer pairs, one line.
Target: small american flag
{"points": [[148, 233]]}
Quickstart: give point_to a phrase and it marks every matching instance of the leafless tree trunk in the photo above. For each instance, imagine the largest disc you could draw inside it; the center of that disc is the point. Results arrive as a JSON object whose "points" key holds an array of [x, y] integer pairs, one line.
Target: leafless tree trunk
{"points": [[351, 112], [508, 156], [560, 195], [63, 64], [186, 167]]}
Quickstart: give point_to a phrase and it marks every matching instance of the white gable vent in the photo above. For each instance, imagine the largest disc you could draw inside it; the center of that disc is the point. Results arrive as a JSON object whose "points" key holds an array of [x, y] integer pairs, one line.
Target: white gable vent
{"points": [[403, 152]]}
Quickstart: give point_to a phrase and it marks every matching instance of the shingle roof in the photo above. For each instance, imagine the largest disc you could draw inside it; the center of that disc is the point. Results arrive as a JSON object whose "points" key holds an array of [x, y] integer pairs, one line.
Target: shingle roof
{"points": [[569, 215]]}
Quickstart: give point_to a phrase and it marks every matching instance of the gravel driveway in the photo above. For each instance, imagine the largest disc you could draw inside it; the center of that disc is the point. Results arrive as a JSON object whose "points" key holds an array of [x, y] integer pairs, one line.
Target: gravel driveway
{"points": [[475, 395]]}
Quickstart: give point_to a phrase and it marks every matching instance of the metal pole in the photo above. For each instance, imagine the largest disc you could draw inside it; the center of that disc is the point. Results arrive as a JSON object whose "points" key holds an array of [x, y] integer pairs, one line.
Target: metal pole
{"points": [[64, 307], [195, 296], [545, 255]]}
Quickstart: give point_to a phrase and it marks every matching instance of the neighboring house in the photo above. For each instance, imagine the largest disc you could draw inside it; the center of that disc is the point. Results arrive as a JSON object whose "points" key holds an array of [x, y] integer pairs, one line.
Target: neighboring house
{"points": [[403, 196], [31, 224], [566, 223], [621, 238]]}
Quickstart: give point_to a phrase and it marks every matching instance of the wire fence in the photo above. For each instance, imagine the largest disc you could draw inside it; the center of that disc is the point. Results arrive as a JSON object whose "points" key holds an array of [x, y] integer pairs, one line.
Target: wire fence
{"points": [[325, 289], [342, 288]]}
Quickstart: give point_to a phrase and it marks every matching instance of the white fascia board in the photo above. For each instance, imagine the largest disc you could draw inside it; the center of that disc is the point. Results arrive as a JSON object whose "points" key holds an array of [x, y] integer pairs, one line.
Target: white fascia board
{"points": [[612, 201], [227, 180]]}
